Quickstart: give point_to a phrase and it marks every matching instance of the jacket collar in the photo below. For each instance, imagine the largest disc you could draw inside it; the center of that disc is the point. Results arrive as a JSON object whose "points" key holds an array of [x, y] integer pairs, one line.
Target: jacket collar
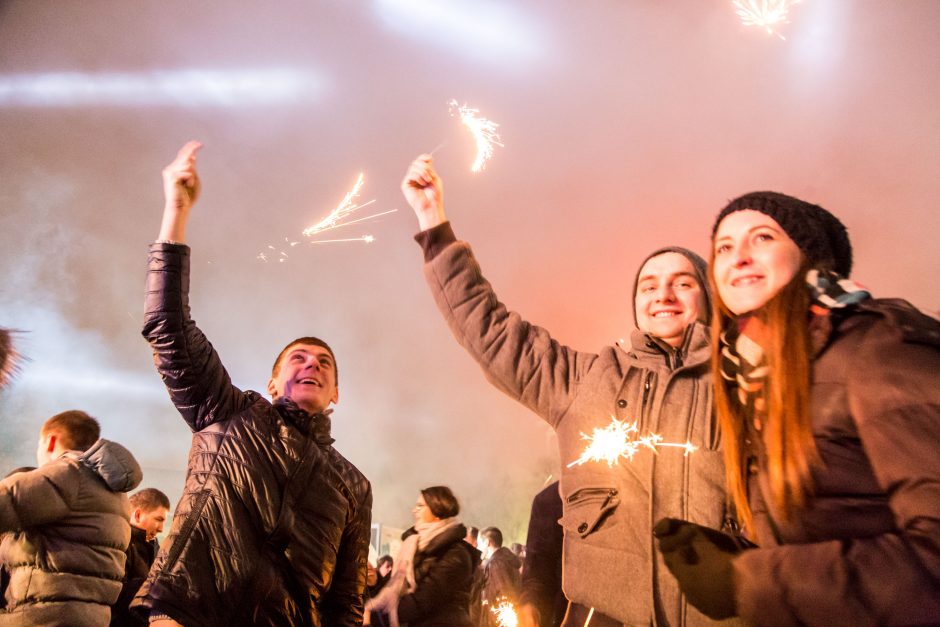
{"points": [[694, 350], [315, 425]]}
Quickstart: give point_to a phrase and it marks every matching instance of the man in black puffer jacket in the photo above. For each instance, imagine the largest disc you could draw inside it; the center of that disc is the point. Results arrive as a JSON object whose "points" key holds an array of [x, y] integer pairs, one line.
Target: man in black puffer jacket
{"points": [[273, 525]]}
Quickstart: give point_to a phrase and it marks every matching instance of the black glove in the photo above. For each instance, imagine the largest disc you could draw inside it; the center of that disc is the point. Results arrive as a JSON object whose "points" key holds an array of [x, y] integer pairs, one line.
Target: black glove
{"points": [[700, 560]]}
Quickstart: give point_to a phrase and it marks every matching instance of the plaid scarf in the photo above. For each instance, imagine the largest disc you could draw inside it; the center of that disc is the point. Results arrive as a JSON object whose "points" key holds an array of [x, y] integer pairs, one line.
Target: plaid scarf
{"points": [[744, 366]]}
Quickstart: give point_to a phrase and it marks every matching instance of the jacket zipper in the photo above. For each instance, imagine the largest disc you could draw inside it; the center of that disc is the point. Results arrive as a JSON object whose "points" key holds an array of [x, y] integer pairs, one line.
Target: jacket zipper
{"points": [[646, 388]]}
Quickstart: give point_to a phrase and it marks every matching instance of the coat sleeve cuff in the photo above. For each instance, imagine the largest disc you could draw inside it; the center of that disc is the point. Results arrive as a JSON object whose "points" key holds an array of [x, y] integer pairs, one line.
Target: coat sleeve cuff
{"points": [[435, 239]]}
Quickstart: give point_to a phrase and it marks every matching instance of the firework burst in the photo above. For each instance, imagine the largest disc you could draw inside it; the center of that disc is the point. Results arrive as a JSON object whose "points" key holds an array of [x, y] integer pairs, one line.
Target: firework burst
{"points": [[765, 14]]}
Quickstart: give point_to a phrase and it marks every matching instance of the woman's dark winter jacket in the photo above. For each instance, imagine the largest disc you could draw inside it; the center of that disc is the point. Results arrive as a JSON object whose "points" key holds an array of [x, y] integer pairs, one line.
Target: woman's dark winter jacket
{"points": [[67, 525], [273, 525], [443, 574], [866, 549]]}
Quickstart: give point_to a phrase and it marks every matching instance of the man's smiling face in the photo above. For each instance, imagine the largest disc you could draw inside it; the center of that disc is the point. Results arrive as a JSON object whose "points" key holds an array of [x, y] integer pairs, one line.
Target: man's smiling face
{"points": [[306, 374]]}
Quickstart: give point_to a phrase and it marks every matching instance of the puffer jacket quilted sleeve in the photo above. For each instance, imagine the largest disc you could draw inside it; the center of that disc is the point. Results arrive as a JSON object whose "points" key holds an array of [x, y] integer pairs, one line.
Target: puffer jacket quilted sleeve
{"points": [[198, 383]]}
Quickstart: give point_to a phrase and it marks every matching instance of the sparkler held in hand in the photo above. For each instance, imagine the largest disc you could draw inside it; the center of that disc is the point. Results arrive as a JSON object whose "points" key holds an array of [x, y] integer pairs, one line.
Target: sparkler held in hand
{"points": [[483, 131], [619, 440], [662, 371]]}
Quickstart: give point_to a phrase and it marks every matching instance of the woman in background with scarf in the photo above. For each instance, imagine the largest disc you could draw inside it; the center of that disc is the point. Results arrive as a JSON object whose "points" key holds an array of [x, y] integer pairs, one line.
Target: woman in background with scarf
{"points": [[433, 571], [829, 403]]}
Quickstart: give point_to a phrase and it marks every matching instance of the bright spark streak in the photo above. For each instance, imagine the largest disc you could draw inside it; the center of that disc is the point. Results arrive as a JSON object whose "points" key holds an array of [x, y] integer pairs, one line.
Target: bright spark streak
{"points": [[368, 239], [483, 131], [505, 614], [374, 215], [621, 439], [764, 13], [346, 207]]}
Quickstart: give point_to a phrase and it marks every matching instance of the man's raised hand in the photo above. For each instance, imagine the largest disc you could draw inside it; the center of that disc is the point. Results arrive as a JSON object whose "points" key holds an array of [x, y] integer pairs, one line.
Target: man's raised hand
{"points": [[180, 189], [424, 191]]}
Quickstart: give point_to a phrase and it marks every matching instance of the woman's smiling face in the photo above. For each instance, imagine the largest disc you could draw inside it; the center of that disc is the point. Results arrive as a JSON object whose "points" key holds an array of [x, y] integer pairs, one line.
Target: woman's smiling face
{"points": [[754, 259]]}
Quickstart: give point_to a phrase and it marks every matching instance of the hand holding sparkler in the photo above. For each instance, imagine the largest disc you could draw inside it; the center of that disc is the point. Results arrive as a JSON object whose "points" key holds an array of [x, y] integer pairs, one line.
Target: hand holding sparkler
{"points": [[424, 191], [181, 189]]}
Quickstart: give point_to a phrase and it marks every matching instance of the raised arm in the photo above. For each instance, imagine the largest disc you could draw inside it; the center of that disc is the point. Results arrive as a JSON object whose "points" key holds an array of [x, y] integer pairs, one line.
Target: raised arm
{"points": [[521, 359], [197, 382]]}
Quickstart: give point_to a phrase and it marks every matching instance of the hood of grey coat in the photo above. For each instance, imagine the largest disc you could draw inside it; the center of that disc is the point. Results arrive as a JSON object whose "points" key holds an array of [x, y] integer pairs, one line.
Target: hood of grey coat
{"points": [[113, 463]]}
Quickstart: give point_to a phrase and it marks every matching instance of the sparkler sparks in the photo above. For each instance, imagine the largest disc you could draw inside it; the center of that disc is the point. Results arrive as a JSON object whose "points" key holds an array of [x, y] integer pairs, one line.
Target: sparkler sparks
{"points": [[483, 131], [337, 218], [764, 13], [368, 239], [620, 439], [505, 614]]}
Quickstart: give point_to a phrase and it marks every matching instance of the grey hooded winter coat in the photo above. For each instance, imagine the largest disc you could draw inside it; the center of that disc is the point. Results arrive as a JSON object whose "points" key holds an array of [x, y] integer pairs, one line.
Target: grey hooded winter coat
{"points": [[610, 562], [68, 530]]}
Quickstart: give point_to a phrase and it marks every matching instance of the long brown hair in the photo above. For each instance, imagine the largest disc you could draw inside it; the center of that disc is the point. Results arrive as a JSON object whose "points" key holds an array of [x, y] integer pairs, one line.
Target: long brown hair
{"points": [[786, 421]]}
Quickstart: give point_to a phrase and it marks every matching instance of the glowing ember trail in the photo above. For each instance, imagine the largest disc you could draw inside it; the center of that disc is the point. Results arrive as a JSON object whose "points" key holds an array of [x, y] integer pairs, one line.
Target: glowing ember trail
{"points": [[619, 439], [505, 614], [483, 131], [764, 13], [344, 209], [368, 239], [337, 218]]}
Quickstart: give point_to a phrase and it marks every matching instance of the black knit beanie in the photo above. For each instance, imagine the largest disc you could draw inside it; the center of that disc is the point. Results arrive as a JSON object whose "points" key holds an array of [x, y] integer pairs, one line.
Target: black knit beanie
{"points": [[701, 275], [820, 235]]}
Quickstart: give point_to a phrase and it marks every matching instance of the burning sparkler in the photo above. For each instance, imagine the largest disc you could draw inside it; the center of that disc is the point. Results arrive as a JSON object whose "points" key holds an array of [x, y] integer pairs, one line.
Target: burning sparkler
{"points": [[620, 439], [505, 614], [337, 218], [368, 239], [483, 131], [764, 13]]}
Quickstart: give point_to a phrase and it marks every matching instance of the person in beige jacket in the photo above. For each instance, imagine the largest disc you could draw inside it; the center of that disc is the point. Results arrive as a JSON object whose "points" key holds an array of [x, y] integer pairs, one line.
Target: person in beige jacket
{"points": [[66, 527], [659, 379]]}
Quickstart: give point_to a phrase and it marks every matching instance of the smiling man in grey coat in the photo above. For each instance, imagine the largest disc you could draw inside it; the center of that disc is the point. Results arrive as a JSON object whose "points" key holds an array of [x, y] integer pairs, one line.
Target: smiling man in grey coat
{"points": [[660, 380]]}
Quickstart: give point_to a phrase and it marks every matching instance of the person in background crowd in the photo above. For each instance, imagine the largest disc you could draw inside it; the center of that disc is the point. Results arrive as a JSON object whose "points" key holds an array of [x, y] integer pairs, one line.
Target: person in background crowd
{"points": [[65, 526], [432, 574], [149, 510], [541, 601], [500, 575]]}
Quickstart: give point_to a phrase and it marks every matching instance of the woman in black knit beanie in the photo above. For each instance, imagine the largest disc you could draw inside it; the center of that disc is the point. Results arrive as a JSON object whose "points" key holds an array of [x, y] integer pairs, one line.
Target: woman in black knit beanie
{"points": [[829, 402]]}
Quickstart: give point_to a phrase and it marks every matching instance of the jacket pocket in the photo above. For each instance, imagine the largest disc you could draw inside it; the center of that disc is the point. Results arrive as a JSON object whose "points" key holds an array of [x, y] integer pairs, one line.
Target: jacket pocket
{"points": [[587, 509]]}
